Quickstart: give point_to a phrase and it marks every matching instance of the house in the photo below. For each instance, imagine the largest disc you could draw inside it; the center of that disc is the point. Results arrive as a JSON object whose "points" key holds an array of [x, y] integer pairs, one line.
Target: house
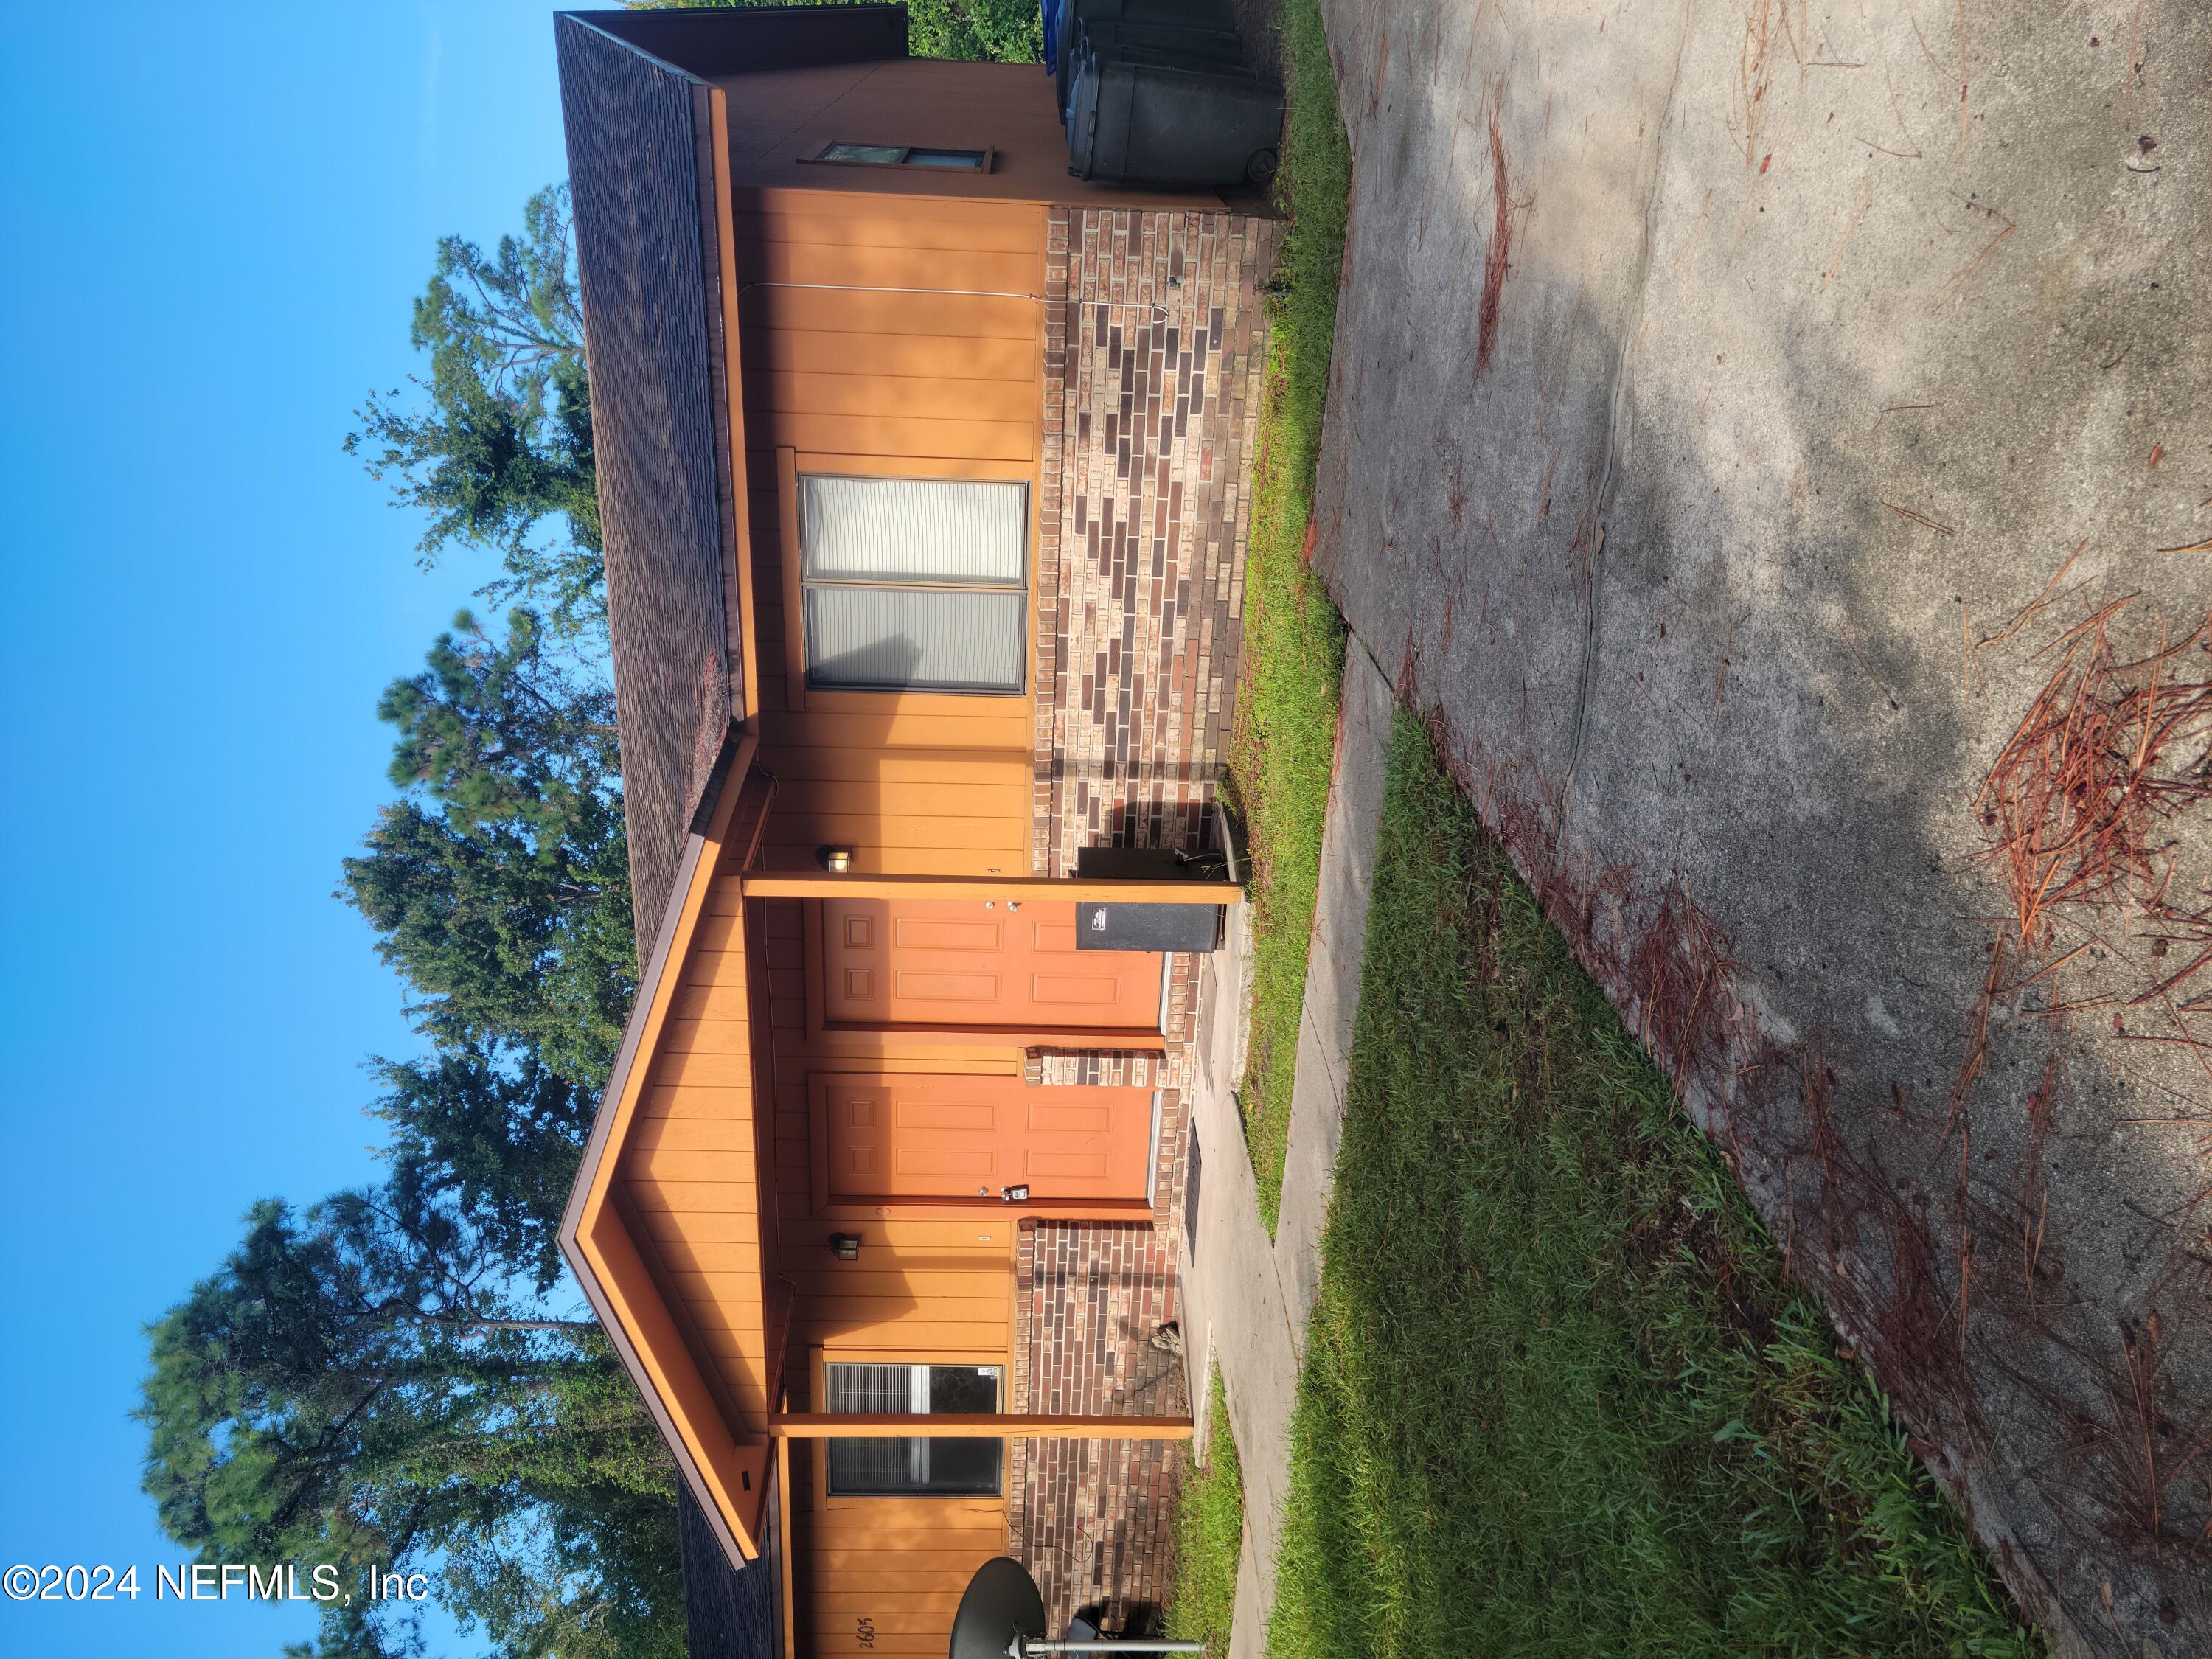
{"points": [[924, 476]]}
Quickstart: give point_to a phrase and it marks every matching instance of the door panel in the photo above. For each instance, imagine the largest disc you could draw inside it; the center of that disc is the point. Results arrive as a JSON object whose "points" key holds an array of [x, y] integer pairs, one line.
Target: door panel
{"points": [[960, 963], [887, 1135]]}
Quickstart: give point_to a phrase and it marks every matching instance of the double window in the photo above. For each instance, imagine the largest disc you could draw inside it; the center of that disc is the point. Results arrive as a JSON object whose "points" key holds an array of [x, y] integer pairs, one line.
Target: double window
{"points": [[915, 1465], [912, 584]]}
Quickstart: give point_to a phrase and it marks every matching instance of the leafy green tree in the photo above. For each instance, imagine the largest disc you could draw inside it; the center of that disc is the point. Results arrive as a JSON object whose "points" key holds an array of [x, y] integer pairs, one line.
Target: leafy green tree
{"points": [[500, 886], [496, 445], [508, 731], [498, 945], [501, 1132], [404, 1376], [1002, 31], [363, 1383]]}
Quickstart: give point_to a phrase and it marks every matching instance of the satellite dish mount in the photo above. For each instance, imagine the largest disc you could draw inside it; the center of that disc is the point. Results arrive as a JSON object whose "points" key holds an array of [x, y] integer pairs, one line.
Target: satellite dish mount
{"points": [[1002, 1617]]}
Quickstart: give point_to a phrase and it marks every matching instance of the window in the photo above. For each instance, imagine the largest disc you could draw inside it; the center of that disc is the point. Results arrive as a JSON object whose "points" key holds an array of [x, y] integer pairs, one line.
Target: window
{"points": [[918, 1466], [912, 584], [902, 155]]}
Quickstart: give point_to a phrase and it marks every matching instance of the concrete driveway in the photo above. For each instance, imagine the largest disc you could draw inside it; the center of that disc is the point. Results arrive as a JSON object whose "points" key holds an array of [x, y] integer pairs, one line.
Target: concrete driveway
{"points": [[1743, 422]]}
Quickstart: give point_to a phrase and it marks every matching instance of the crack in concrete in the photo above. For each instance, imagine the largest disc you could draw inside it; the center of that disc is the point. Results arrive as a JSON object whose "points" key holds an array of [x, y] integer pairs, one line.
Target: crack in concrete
{"points": [[1617, 397]]}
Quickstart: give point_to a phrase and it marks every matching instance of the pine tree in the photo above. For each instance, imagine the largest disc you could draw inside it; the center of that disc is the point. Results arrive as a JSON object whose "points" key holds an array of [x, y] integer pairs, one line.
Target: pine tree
{"points": [[500, 459], [404, 1375], [361, 1384], [501, 1132], [500, 886]]}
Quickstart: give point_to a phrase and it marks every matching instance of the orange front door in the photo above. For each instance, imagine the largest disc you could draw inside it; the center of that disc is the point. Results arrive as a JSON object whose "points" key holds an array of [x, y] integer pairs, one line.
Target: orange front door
{"points": [[905, 962], [885, 1135]]}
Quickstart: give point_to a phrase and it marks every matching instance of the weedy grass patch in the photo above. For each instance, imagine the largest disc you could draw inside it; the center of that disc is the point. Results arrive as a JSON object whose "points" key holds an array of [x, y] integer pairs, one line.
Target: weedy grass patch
{"points": [[1558, 1397], [1284, 743], [1209, 1538]]}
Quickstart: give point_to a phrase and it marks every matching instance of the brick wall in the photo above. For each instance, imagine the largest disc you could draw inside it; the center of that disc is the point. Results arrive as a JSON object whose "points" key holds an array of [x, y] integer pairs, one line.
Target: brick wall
{"points": [[1094, 1519], [1155, 344], [1092, 1068]]}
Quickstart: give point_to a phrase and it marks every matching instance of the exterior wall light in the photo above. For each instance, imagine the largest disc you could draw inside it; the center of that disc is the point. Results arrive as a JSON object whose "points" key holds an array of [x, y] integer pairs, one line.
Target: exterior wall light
{"points": [[846, 1247], [837, 860]]}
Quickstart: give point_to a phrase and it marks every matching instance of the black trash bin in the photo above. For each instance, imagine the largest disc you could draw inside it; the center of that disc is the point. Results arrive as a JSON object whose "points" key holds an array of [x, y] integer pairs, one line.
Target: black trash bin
{"points": [[1220, 15], [1135, 118], [1113, 41], [1193, 44]]}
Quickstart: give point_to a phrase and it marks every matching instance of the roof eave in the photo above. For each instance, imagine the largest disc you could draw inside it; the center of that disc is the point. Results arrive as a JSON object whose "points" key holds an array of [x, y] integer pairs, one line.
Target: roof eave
{"points": [[593, 1238]]}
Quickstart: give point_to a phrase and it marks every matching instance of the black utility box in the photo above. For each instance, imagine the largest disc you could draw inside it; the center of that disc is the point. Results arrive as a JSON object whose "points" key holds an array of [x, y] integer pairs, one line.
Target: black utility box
{"points": [[1148, 926]]}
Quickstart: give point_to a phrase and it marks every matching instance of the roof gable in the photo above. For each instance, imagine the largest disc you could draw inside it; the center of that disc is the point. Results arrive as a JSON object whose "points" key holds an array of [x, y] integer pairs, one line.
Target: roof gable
{"points": [[711, 1405]]}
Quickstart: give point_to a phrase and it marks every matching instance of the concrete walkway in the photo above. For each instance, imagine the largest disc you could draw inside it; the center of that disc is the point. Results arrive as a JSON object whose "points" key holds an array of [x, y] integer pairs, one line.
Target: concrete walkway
{"points": [[1246, 1298], [1712, 401]]}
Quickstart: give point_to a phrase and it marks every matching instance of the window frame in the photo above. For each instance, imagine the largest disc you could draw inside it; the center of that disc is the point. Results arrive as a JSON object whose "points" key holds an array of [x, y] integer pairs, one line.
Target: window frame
{"points": [[827, 1494], [793, 469], [987, 162]]}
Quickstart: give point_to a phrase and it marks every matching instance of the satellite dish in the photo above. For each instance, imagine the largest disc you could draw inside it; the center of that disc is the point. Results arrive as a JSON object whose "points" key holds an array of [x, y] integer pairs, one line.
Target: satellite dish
{"points": [[1002, 1617], [1002, 1603]]}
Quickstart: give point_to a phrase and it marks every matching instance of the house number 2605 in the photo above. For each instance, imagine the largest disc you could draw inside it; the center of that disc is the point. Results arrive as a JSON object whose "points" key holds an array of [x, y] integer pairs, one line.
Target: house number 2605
{"points": [[866, 1630]]}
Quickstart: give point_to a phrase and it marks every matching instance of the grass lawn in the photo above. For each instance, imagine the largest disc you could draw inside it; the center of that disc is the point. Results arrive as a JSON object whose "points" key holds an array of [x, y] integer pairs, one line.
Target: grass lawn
{"points": [[1209, 1539], [1285, 739], [1558, 1397]]}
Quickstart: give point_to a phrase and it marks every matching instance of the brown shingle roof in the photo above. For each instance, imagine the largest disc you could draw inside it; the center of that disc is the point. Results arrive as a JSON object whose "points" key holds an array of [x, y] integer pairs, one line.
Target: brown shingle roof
{"points": [[633, 169], [716, 40], [638, 158]]}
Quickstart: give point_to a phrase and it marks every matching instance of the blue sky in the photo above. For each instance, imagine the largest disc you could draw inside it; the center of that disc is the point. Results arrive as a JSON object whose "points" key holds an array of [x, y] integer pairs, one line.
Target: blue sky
{"points": [[215, 218]]}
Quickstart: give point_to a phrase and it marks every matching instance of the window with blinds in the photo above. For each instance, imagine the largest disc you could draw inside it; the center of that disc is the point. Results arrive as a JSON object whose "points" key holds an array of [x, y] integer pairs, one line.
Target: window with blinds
{"points": [[919, 1465], [914, 583]]}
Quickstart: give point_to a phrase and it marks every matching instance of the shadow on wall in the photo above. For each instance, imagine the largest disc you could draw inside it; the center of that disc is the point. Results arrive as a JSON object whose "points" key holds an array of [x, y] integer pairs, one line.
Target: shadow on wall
{"points": [[894, 662]]}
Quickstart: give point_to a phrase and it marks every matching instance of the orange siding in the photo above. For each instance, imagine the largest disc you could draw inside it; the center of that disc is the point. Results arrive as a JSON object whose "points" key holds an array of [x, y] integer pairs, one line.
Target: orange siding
{"points": [[909, 382], [689, 1175], [899, 1565], [779, 117], [922, 1286]]}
